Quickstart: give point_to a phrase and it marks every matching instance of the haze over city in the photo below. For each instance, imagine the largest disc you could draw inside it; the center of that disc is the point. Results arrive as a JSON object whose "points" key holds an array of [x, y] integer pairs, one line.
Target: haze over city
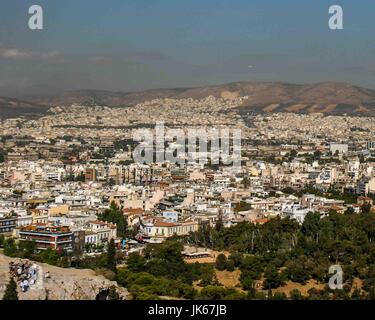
{"points": [[138, 44], [193, 151]]}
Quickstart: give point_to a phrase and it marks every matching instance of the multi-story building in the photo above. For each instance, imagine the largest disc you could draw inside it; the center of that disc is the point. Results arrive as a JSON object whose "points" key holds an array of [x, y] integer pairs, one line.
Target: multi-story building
{"points": [[7, 223], [366, 186], [99, 232], [47, 236], [159, 228]]}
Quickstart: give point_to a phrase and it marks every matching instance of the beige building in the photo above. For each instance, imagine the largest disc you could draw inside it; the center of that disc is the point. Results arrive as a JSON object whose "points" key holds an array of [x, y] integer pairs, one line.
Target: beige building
{"points": [[58, 210]]}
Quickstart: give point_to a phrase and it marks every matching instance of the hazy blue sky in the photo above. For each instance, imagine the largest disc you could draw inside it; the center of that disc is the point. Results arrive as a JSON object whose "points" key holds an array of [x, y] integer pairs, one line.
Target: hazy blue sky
{"points": [[136, 44]]}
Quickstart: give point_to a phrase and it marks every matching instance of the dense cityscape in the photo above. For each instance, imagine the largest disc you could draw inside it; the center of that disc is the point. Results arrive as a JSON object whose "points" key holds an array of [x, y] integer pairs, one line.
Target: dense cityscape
{"points": [[71, 193], [187, 159]]}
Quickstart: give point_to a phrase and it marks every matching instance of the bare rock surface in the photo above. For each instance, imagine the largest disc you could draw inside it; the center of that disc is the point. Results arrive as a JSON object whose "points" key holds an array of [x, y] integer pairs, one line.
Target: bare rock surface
{"points": [[63, 283]]}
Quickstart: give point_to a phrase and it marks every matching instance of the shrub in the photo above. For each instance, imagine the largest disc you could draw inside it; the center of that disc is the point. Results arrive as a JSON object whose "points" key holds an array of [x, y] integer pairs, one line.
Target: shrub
{"points": [[221, 262], [230, 265]]}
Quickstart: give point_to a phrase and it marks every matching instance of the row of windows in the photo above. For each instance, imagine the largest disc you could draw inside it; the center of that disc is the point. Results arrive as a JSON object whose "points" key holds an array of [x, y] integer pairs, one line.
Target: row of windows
{"points": [[91, 239], [184, 229], [7, 222], [101, 236]]}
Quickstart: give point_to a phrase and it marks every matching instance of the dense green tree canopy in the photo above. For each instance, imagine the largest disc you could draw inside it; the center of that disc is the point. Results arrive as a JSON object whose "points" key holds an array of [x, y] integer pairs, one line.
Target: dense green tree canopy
{"points": [[11, 291], [115, 215]]}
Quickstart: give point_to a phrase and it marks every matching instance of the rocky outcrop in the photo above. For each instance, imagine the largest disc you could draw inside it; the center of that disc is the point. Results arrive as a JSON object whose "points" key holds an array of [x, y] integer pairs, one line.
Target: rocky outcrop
{"points": [[62, 283]]}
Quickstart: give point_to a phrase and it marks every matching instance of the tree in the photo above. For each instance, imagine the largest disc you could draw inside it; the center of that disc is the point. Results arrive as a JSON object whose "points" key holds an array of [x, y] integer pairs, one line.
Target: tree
{"points": [[26, 249], [251, 293], [251, 266], [113, 294], [111, 256], [242, 206], [293, 154], [230, 265], [247, 282], [215, 292], [295, 294], [207, 279], [279, 296], [350, 210], [111, 182], [317, 155], [115, 215], [135, 262], [219, 223], [366, 208], [297, 271], [2, 156], [49, 256], [273, 279], [236, 257], [246, 182], [11, 291], [221, 262], [166, 260], [371, 294], [310, 226], [10, 247]]}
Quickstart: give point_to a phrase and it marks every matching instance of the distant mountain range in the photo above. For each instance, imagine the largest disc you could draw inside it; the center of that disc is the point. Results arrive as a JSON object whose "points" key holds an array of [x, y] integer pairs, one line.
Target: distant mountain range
{"points": [[10, 107], [326, 97]]}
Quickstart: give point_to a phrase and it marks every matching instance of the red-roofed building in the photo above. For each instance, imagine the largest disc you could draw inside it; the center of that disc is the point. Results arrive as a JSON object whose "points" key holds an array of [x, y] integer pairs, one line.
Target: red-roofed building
{"points": [[155, 227], [98, 232], [261, 220], [133, 215]]}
